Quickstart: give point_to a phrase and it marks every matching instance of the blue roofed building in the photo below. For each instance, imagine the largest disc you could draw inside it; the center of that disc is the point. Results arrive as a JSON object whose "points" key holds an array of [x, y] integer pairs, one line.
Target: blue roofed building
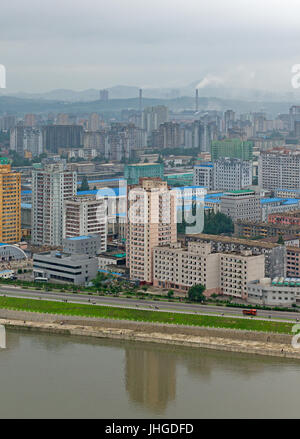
{"points": [[277, 205]]}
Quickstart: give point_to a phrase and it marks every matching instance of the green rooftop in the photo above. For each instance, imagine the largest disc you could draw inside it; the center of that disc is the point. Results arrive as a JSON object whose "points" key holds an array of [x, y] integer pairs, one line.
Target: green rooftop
{"points": [[242, 191]]}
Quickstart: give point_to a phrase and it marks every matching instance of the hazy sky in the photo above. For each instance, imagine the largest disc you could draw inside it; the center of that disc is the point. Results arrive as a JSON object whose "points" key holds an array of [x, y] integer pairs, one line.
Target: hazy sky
{"points": [[84, 44]]}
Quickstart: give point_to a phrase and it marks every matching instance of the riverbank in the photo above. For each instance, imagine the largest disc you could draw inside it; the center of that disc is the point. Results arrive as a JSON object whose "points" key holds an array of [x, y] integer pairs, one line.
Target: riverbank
{"points": [[251, 342], [142, 315]]}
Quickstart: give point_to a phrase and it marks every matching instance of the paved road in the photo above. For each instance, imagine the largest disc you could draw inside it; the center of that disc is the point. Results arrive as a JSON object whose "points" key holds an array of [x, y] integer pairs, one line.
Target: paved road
{"points": [[145, 304]]}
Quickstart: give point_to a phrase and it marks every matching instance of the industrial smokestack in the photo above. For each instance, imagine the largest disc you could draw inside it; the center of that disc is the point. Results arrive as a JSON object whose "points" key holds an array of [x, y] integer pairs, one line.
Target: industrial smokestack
{"points": [[197, 100], [140, 100]]}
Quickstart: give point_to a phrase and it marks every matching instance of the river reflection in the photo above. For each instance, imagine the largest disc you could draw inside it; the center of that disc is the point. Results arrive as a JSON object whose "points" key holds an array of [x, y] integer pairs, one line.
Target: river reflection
{"points": [[61, 376]]}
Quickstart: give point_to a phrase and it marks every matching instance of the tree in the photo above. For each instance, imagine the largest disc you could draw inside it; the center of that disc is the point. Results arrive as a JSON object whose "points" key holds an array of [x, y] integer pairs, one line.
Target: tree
{"points": [[170, 294], [280, 239], [195, 293], [97, 282], [217, 223], [84, 184]]}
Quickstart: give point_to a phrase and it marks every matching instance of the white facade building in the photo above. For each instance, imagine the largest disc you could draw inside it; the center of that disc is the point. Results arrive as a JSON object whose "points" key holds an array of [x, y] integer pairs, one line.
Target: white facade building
{"points": [[231, 174], [85, 216], [51, 186], [279, 169]]}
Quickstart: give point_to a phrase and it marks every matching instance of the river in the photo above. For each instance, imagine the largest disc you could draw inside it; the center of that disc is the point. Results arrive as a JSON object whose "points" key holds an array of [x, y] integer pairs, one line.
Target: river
{"points": [[53, 376]]}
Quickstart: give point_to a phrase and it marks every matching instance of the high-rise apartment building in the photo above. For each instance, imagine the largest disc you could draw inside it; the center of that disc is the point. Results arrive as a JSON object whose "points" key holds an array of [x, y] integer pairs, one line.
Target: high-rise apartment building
{"points": [[170, 135], [33, 141], [85, 216], [229, 117], [231, 174], [94, 122], [103, 94], [62, 119], [10, 203], [151, 223], [294, 115], [51, 186], [153, 117], [17, 139], [117, 145], [62, 136], [279, 169], [7, 122], [30, 120], [94, 140], [234, 148]]}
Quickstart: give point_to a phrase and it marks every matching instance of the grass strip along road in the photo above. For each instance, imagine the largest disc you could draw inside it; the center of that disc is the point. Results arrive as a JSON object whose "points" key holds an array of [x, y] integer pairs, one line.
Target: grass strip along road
{"points": [[106, 312]]}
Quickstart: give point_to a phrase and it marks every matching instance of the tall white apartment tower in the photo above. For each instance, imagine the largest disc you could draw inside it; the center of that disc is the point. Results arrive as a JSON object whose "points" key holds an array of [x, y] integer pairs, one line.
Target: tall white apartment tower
{"points": [[151, 223], [51, 186], [85, 216]]}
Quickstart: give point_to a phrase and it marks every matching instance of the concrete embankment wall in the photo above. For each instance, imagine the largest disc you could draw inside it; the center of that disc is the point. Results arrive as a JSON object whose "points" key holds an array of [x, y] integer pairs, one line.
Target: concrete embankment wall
{"points": [[221, 339]]}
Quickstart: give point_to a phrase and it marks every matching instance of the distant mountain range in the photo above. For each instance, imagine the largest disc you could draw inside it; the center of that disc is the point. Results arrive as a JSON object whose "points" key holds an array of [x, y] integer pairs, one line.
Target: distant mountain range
{"points": [[19, 106], [131, 92]]}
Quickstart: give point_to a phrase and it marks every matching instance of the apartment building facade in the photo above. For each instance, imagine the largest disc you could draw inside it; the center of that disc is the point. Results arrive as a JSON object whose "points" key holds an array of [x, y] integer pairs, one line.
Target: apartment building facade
{"points": [[279, 169], [10, 204], [275, 255], [152, 221], [251, 229], [227, 174], [180, 268], [241, 204], [51, 186], [232, 174], [85, 215]]}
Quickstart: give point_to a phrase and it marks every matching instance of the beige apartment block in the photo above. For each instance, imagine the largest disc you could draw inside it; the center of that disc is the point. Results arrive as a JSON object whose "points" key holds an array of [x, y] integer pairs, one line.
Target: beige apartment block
{"points": [[237, 270], [151, 223], [179, 268], [85, 216]]}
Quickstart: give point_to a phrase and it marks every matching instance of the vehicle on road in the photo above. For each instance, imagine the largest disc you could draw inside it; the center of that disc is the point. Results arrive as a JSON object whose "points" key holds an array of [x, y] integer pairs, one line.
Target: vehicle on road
{"points": [[249, 312]]}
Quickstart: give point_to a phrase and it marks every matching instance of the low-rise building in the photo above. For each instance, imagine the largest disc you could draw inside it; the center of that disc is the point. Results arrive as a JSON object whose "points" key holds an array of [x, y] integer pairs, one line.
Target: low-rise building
{"points": [[293, 261], [241, 204], [86, 244], [10, 253], [275, 256], [277, 292], [289, 218], [253, 229], [180, 268], [111, 258], [277, 206], [78, 269], [203, 175], [6, 274]]}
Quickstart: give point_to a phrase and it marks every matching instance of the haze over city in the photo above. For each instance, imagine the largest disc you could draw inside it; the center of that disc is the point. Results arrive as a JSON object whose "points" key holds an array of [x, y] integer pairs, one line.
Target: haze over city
{"points": [[150, 212], [150, 44]]}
